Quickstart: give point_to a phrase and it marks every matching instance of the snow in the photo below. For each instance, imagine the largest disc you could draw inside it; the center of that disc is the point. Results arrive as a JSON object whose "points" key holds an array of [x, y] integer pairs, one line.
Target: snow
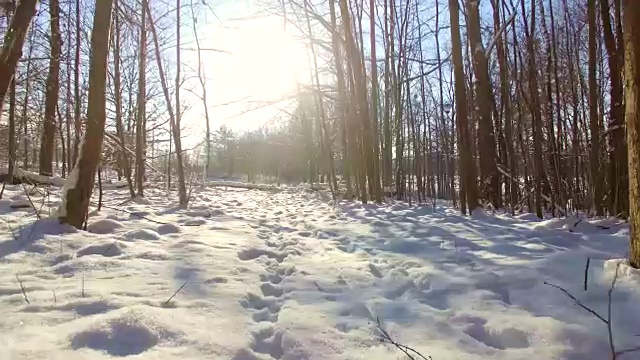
{"points": [[71, 182], [263, 272], [104, 226]]}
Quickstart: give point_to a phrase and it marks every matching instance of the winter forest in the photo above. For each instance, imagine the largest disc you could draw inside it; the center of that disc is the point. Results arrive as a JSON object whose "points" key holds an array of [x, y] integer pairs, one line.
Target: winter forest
{"points": [[419, 179]]}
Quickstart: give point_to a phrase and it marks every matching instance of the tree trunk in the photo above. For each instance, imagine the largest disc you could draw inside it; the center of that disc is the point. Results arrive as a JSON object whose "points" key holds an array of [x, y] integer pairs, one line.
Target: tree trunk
{"points": [[142, 92], [12, 44], [76, 87], [323, 129], [203, 84], [77, 196], [538, 159], [374, 103], [174, 118], [357, 66], [483, 101], [631, 15], [342, 101], [47, 140], [505, 99], [467, 166], [617, 172], [68, 100], [12, 131], [125, 164], [594, 125]]}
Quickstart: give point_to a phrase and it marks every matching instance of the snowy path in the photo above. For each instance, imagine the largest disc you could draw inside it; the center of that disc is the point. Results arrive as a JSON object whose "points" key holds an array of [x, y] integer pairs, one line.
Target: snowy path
{"points": [[284, 275]]}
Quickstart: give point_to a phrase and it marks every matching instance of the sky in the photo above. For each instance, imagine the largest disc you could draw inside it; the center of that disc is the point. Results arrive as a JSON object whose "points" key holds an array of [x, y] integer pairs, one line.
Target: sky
{"points": [[257, 61]]}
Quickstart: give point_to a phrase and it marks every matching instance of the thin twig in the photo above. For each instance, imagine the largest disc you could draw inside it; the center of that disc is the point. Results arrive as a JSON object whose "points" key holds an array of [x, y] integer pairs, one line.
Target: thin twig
{"points": [[578, 302], [30, 201], [626, 351], [83, 286], [586, 273], [13, 234], [175, 293], [386, 338], [24, 291], [109, 248], [609, 306]]}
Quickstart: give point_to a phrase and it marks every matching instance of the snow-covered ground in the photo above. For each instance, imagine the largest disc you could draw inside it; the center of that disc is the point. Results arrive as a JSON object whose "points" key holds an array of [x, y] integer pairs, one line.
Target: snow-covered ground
{"points": [[247, 274]]}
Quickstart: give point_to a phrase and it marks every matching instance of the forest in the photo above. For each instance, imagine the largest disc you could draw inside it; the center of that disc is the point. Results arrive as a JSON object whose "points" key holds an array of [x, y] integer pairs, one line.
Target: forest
{"points": [[503, 108]]}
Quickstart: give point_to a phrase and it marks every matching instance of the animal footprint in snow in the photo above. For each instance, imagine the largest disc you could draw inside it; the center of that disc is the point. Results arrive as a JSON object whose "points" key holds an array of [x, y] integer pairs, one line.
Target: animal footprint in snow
{"points": [[273, 278], [499, 338], [268, 341], [375, 271], [265, 315], [269, 289]]}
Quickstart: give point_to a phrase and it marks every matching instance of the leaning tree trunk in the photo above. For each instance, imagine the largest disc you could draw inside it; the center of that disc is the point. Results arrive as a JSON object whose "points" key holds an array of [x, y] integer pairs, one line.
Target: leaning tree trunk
{"points": [[77, 195], [47, 140], [632, 100], [12, 44]]}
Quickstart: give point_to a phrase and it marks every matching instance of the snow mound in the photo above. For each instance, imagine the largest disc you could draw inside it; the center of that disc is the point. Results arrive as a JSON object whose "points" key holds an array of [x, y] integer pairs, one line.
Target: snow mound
{"points": [[153, 255], [165, 229], [81, 307], [125, 332], [553, 224], [104, 226], [142, 234], [195, 222], [20, 204], [141, 201], [38, 230], [110, 248], [528, 217], [86, 264], [624, 270]]}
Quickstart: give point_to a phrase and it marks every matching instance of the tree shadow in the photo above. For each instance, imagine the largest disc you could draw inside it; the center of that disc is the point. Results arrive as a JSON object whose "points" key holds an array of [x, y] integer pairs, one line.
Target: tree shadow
{"points": [[26, 237]]}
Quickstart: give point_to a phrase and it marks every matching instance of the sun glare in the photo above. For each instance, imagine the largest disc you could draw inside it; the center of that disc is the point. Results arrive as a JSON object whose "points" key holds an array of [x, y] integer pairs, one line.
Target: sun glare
{"points": [[261, 63]]}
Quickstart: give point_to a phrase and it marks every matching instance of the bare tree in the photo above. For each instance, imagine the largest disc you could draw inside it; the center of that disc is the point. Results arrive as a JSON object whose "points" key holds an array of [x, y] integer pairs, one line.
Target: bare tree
{"points": [[142, 93], [78, 190], [483, 102], [594, 123], [174, 116], [467, 166], [47, 141]]}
